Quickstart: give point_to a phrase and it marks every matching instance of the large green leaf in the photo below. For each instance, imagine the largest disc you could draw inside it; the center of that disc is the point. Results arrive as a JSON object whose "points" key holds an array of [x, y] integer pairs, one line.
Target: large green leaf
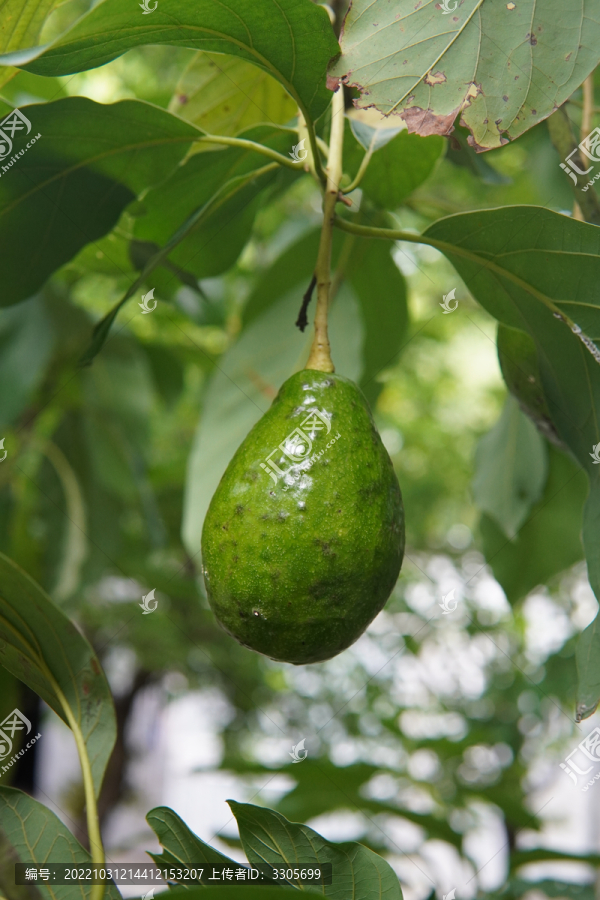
{"points": [[182, 847], [397, 169], [214, 244], [43, 648], [36, 835], [225, 95], [511, 466], [26, 340], [381, 291], [504, 66], [247, 380], [549, 541], [358, 873], [71, 186], [292, 40], [21, 22]]}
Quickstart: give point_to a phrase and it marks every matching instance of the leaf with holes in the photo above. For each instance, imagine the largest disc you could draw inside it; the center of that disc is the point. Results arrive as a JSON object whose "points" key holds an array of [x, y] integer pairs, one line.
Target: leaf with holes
{"points": [[501, 66], [43, 648]]}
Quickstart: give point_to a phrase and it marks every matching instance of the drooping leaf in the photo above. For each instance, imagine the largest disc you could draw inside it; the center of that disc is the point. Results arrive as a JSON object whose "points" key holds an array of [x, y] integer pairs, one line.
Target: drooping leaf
{"points": [[181, 847], [397, 169], [43, 648], [504, 66], [292, 40], [71, 186], [26, 339], [381, 292], [511, 466], [247, 380], [549, 541], [34, 834], [358, 873], [225, 95], [214, 244]]}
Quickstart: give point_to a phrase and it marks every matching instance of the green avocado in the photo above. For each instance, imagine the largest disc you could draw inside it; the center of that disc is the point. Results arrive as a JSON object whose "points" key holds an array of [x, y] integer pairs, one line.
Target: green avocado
{"points": [[517, 355], [304, 537]]}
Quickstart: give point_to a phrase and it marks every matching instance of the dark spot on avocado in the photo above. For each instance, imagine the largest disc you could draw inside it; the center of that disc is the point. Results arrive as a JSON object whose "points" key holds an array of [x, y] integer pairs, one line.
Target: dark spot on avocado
{"points": [[225, 526]]}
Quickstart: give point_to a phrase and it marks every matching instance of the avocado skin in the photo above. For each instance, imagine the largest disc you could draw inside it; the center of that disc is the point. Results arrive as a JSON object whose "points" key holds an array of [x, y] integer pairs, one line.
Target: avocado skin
{"points": [[298, 574]]}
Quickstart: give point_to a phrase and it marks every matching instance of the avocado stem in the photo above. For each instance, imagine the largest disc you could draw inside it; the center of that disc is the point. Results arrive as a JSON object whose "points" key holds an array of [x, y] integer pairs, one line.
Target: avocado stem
{"points": [[320, 352]]}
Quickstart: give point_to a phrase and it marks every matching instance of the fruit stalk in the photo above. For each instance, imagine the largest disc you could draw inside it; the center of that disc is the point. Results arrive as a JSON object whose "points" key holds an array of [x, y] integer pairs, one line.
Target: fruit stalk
{"points": [[320, 352]]}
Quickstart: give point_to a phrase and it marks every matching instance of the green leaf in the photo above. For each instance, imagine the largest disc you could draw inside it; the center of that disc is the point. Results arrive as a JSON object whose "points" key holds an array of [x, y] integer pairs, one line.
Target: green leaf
{"points": [[292, 40], [181, 846], [511, 467], [215, 242], [504, 66], [71, 186], [26, 341], [225, 95], [397, 169], [537, 271], [36, 835], [381, 292], [22, 22], [358, 873], [248, 378], [549, 541], [43, 648], [237, 891]]}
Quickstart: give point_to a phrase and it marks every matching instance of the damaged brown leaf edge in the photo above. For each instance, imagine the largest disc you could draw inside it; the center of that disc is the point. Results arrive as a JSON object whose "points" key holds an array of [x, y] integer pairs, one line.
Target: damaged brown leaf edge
{"points": [[425, 122]]}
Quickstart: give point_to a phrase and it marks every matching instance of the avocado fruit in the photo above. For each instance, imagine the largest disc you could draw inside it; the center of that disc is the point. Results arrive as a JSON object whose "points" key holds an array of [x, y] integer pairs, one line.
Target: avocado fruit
{"points": [[517, 356], [304, 537]]}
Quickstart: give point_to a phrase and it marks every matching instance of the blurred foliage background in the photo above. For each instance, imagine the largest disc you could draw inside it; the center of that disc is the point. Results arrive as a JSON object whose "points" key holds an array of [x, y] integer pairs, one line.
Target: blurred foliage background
{"points": [[433, 725]]}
